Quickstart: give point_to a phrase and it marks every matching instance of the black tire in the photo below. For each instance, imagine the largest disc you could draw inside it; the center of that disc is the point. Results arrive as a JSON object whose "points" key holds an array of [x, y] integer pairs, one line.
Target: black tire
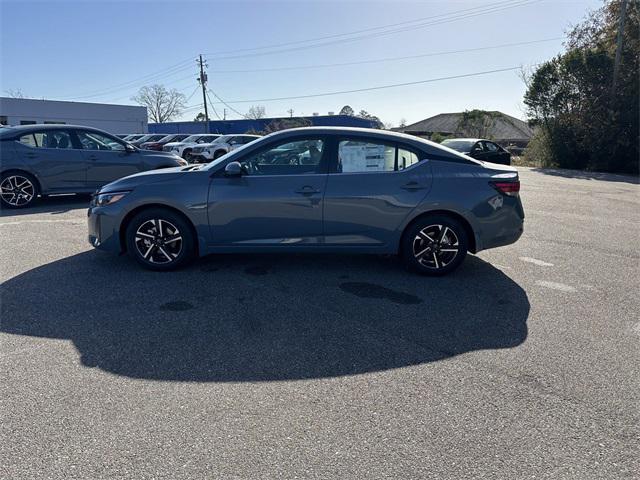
{"points": [[434, 245], [218, 153], [186, 155], [160, 250], [15, 193]]}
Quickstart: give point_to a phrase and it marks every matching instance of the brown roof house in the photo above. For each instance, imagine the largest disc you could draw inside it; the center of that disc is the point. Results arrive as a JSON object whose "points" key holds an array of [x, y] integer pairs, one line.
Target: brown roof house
{"points": [[497, 126]]}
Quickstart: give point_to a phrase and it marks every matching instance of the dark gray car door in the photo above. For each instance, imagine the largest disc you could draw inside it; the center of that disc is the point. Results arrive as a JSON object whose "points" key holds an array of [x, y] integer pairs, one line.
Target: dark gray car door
{"points": [[278, 199], [107, 158], [55, 158], [371, 190]]}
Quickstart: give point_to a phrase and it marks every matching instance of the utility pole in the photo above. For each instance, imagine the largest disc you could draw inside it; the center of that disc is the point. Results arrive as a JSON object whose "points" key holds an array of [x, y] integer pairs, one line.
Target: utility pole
{"points": [[224, 113], [203, 82], [616, 65], [290, 112]]}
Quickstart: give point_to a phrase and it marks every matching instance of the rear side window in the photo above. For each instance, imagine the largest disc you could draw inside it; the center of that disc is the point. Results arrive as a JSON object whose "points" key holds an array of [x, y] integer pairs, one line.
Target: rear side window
{"points": [[356, 156], [365, 156], [28, 140], [406, 158]]}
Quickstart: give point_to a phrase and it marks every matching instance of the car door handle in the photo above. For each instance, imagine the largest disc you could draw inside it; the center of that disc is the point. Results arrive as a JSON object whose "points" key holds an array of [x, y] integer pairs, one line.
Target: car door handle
{"points": [[307, 190], [412, 186]]}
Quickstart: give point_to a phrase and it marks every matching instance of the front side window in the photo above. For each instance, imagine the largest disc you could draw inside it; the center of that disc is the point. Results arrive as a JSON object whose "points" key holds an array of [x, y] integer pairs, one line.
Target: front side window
{"points": [[292, 158], [96, 141], [355, 156], [491, 147]]}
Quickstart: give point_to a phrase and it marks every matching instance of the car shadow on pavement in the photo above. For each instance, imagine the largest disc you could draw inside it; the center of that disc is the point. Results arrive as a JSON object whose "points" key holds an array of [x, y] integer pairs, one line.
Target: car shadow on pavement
{"points": [[583, 175], [53, 205], [263, 317]]}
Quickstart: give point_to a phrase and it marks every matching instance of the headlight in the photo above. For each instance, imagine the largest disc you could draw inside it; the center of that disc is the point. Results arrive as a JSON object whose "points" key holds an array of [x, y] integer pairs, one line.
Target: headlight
{"points": [[104, 199]]}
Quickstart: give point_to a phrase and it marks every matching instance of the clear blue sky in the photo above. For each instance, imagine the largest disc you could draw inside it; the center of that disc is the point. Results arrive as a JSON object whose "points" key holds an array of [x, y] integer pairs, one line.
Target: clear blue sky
{"points": [[68, 50]]}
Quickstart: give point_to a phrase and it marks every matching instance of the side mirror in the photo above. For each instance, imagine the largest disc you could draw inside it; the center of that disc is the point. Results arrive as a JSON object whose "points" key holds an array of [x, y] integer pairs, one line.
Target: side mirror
{"points": [[129, 148], [233, 169]]}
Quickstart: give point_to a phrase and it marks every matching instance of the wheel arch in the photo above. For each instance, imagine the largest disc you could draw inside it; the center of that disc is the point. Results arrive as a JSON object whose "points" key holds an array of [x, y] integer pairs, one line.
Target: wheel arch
{"points": [[26, 172], [150, 206], [448, 213]]}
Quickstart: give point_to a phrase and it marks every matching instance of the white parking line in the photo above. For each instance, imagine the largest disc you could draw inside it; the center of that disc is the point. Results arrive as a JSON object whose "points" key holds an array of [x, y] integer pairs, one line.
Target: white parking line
{"points": [[535, 261], [61, 220], [556, 286]]}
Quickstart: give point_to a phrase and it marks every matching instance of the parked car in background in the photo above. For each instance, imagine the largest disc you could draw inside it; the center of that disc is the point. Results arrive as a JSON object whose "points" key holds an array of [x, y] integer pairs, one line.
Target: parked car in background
{"points": [[133, 137], [184, 147], [315, 189], [150, 137], [210, 151], [480, 149], [159, 144], [50, 159]]}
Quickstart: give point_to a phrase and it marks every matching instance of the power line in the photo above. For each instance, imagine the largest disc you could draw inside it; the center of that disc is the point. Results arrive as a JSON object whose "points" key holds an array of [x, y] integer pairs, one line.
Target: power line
{"points": [[366, 30], [379, 34], [227, 105], [163, 72], [367, 89], [215, 112], [388, 59]]}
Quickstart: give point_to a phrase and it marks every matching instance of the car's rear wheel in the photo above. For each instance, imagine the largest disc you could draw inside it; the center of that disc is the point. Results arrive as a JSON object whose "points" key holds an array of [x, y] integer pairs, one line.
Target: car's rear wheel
{"points": [[434, 245], [18, 190], [160, 239]]}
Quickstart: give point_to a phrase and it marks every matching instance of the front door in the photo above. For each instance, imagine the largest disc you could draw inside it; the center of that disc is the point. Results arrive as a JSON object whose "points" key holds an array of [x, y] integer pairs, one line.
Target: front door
{"points": [[278, 199], [107, 158], [370, 191]]}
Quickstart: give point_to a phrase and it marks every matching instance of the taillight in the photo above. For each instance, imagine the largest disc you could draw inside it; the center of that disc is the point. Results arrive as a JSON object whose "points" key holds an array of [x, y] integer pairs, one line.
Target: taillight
{"points": [[507, 188]]}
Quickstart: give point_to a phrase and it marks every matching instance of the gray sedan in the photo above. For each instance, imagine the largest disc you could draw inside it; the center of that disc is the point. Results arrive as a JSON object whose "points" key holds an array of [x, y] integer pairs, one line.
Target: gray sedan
{"points": [[50, 159], [315, 190]]}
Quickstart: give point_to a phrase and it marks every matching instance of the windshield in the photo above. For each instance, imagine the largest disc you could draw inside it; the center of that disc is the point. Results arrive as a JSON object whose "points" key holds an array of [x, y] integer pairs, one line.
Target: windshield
{"points": [[155, 138], [222, 139], [459, 145], [192, 138], [167, 138]]}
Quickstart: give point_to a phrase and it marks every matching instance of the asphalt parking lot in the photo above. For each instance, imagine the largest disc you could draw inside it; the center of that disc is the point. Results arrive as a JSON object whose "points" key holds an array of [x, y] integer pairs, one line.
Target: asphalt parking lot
{"points": [[522, 364]]}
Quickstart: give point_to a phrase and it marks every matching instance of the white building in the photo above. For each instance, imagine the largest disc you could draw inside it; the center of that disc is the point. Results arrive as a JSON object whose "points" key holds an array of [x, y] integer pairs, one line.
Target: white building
{"points": [[112, 118]]}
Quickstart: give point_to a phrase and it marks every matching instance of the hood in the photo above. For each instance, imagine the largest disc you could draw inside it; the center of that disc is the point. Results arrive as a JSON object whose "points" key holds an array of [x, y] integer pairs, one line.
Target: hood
{"points": [[145, 178]]}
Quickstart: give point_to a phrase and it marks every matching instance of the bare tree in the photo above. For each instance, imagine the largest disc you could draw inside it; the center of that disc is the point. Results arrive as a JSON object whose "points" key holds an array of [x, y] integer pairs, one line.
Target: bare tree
{"points": [[15, 93], [347, 110], [403, 123], [162, 105], [256, 112]]}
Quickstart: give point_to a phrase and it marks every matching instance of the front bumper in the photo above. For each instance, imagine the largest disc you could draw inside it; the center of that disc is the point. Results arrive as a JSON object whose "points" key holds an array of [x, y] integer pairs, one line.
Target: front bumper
{"points": [[199, 157], [103, 233]]}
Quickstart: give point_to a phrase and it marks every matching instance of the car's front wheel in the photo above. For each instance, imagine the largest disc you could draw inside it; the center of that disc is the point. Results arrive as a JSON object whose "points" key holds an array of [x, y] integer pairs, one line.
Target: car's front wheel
{"points": [[160, 239], [18, 190], [435, 245]]}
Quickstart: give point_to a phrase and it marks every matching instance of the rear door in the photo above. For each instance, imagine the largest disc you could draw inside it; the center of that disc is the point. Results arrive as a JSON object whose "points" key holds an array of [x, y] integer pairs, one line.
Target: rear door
{"points": [[107, 158], [371, 188], [277, 201], [54, 156]]}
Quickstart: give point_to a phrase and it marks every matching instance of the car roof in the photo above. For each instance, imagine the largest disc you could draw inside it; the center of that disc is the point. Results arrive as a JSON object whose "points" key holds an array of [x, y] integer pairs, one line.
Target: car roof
{"points": [[468, 139], [438, 151], [38, 127]]}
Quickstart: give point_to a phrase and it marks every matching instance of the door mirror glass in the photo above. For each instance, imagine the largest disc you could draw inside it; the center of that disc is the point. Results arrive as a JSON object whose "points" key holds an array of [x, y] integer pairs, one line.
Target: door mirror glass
{"points": [[233, 169], [129, 148]]}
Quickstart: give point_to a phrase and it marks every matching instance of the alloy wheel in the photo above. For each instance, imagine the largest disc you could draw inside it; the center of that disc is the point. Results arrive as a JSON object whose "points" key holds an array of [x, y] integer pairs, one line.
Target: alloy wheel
{"points": [[158, 241], [436, 246], [17, 190]]}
